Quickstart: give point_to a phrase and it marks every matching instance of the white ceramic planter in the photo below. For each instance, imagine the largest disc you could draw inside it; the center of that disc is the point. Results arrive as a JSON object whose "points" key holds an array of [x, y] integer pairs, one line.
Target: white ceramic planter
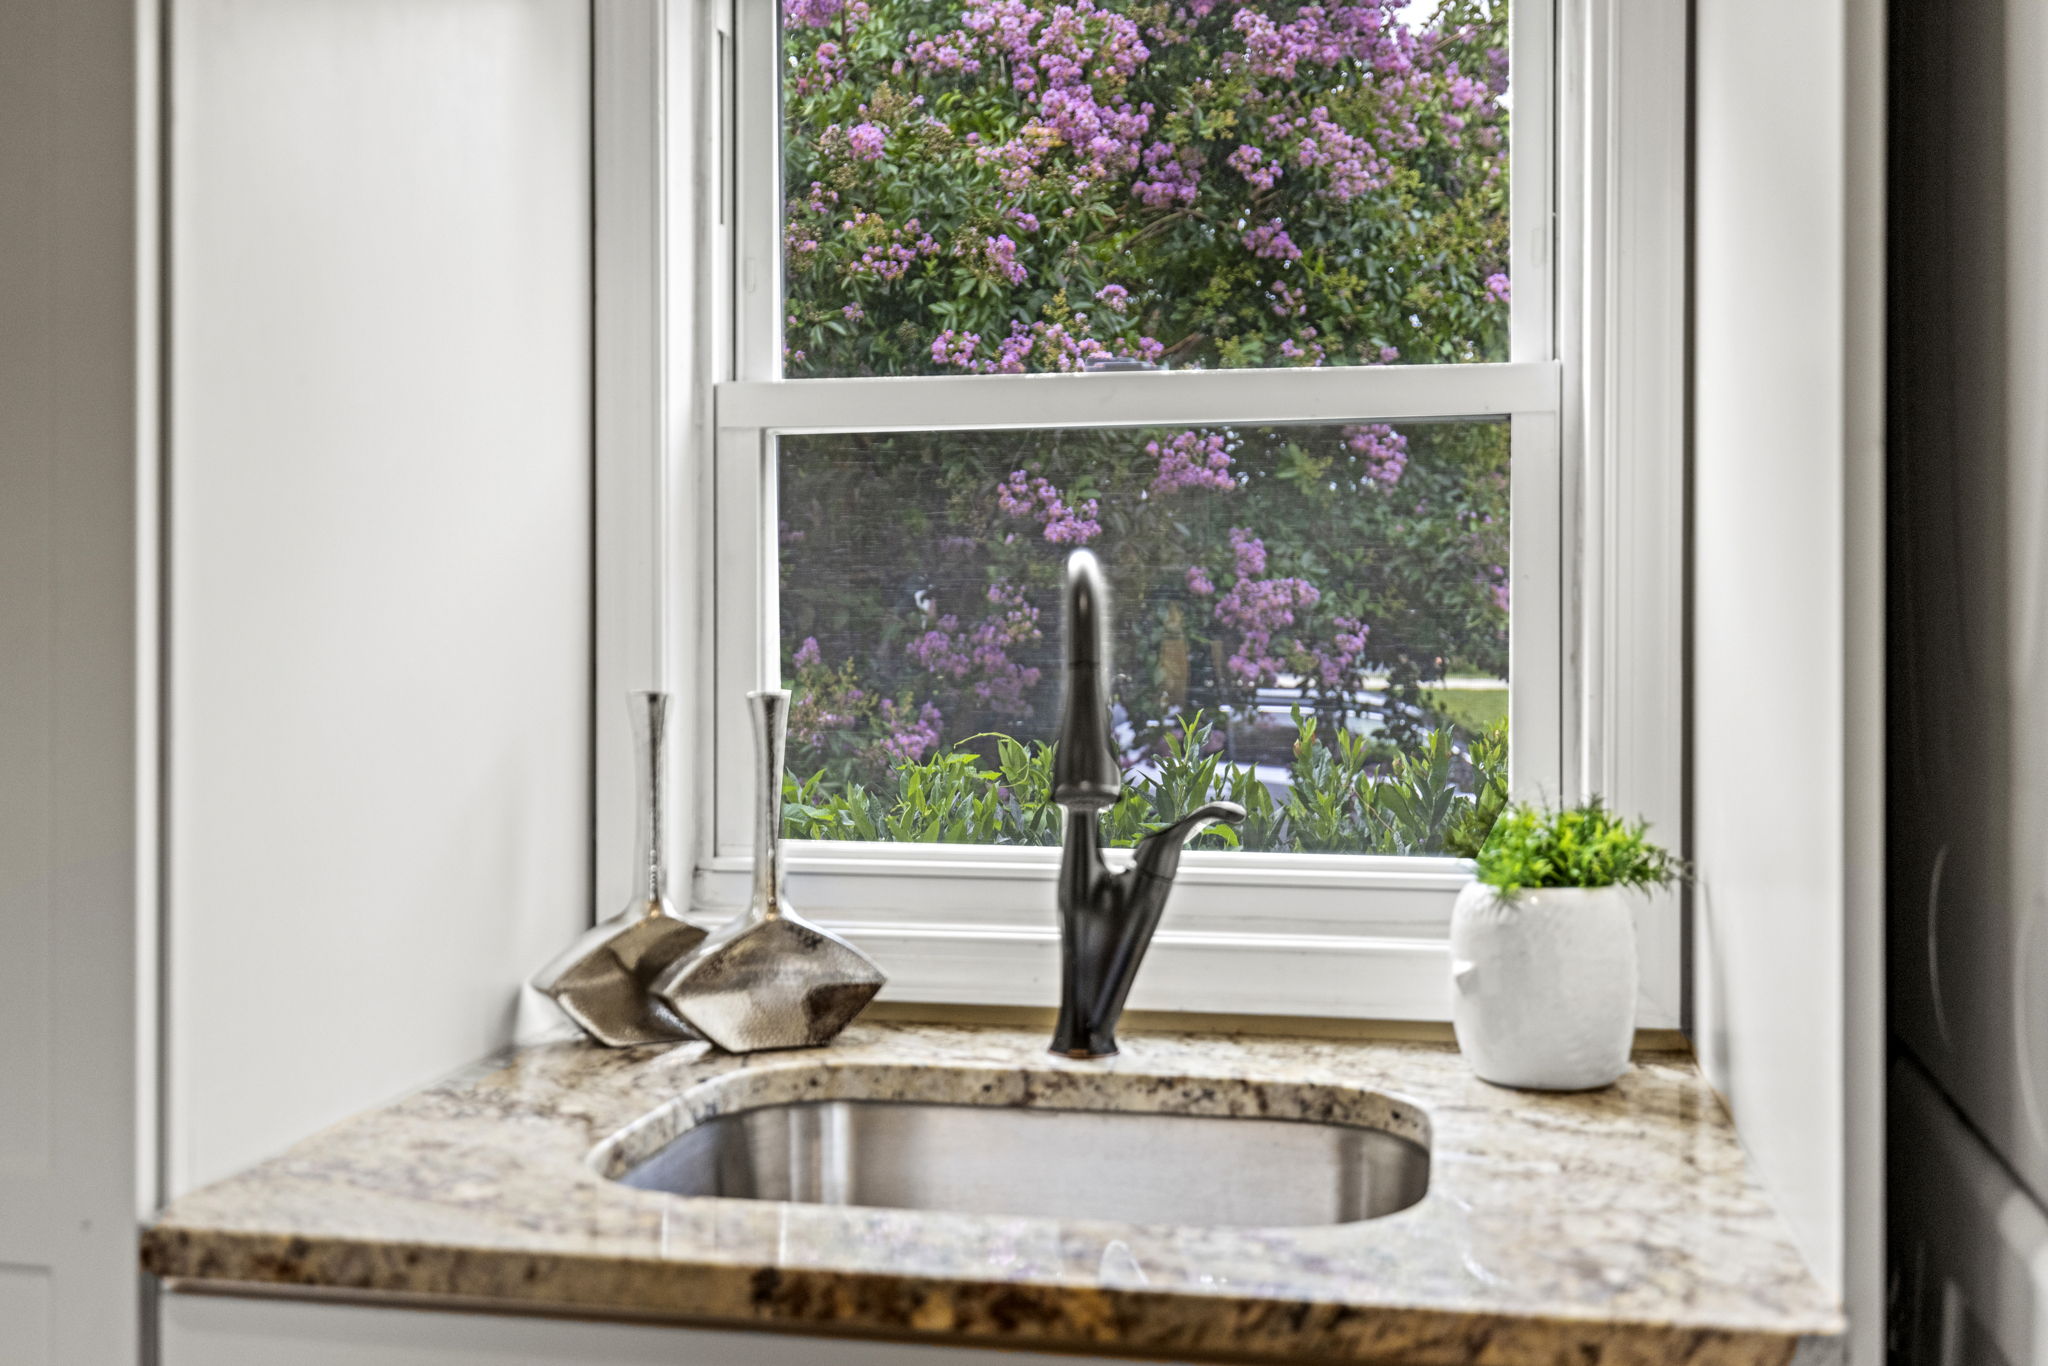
{"points": [[1543, 987]]}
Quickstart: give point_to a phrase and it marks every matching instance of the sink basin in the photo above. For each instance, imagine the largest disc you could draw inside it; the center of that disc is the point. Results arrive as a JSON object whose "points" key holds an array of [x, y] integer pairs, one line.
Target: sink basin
{"points": [[1128, 1167]]}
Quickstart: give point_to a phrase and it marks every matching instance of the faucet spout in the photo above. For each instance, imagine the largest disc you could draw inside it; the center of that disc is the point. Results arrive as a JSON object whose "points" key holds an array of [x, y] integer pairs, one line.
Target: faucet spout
{"points": [[1158, 854], [1106, 918]]}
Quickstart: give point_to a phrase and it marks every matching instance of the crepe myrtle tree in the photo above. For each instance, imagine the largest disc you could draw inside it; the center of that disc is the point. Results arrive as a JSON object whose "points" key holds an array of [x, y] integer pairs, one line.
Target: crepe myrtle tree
{"points": [[1003, 186]]}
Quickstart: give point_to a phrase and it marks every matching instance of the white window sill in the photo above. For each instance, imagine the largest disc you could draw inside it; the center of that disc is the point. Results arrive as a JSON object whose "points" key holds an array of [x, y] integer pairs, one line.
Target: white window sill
{"points": [[1262, 934], [1329, 935]]}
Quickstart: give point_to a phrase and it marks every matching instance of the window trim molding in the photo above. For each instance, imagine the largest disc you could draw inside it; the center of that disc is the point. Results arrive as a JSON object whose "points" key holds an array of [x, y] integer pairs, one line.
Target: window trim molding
{"points": [[658, 167], [1623, 197], [953, 925]]}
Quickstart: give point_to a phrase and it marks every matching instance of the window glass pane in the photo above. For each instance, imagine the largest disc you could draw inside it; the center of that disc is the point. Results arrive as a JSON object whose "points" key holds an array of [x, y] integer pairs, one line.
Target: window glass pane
{"points": [[1310, 619], [1014, 185]]}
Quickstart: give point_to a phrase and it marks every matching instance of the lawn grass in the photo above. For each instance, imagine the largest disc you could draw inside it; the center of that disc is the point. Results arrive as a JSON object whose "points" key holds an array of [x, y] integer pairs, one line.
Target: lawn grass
{"points": [[1474, 709]]}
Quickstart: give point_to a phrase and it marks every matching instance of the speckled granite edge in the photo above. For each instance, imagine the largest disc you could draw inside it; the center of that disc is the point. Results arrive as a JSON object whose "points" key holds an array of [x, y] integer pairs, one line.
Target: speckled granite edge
{"points": [[1618, 1227]]}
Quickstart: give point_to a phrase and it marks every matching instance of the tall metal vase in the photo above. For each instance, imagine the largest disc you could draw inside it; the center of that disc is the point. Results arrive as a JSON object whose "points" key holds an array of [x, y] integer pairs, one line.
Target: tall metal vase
{"points": [[602, 980], [769, 979]]}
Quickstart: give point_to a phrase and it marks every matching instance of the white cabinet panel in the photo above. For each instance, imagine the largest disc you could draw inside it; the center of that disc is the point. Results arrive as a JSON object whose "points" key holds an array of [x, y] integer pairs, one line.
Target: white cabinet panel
{"points": [[77, 153], [25, 1315], [222, 1330]]}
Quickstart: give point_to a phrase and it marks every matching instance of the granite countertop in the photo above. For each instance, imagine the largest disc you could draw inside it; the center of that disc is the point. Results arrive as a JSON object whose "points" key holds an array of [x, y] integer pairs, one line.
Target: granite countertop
{"points": [[1617, 1226]]}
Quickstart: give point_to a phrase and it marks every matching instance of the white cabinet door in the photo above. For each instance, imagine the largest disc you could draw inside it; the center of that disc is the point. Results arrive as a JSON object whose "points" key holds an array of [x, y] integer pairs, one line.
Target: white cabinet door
{"points": [[225, 1330], [75, 156]]}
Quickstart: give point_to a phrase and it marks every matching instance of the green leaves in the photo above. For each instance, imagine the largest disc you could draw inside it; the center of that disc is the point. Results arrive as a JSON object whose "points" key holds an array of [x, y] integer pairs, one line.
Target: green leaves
{"points": [[1575, 846], [1341, 797], [1469, 829]]}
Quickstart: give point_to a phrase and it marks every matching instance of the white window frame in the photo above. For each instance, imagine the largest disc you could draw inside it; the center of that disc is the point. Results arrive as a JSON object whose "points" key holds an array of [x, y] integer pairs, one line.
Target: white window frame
{"points": [[689, 397]]}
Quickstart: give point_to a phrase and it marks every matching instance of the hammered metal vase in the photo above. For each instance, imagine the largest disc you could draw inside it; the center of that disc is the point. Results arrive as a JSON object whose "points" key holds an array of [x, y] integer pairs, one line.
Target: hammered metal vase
{"points": [[770, 979], [601, 981]]}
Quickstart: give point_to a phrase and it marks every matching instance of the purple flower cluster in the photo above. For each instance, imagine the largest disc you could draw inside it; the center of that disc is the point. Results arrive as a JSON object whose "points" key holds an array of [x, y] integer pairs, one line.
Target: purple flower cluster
{"points": [[1248, 553], [887, 253], [867, 140], [1269, 239], [1303, 346], [1250, 162], [1385, 451], [1041, 345], [828, 68], [945, 54], [1172, 176], [1498, 286], [1334, 666], [1111, 136], [1068, 63], [955, 348], [1075, 44], [829, 703], [1349, 164], [999, 254], [909, 735], [1327, 37], [1191, 460], [821, 13], [982, 652], [1027, 495], [1258, 607], [826, 700]]}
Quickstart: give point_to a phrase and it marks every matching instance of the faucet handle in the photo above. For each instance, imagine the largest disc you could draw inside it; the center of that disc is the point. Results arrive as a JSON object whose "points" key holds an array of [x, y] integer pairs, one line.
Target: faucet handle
{"points": [[1085, 776], [1158, 854]]}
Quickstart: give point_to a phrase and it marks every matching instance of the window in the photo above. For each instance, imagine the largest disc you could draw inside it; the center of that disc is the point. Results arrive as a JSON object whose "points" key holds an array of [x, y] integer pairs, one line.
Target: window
{"points": [[1260, 302], [1310, 620]]}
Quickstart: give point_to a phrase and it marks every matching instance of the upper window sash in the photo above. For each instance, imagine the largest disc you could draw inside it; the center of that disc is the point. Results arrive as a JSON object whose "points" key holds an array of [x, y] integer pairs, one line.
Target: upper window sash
{"points": [[756, 181]]}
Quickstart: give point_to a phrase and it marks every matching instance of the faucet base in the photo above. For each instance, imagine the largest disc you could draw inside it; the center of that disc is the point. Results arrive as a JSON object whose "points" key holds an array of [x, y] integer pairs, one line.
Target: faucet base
{"points": [[1081, 1054]]}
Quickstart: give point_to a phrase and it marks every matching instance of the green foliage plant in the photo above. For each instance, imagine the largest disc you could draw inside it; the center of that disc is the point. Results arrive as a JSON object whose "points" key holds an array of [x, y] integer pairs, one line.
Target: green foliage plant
{"points": [[1340, 797], [1472, 824], [1586, 845]]}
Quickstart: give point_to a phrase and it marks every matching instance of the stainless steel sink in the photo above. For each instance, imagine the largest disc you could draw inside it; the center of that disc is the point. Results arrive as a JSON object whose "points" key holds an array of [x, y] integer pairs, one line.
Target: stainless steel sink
{"points": [[1064, 1164]]}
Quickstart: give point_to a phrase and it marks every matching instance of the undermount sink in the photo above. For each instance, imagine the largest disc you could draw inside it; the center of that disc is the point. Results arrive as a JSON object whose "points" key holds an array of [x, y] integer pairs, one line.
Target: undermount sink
{"points": [[1142, 1168]]}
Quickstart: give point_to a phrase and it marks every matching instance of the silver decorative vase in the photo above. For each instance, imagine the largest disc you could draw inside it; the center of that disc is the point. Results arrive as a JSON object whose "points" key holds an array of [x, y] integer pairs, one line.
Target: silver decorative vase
{"points": [[601, 981], [770, 979]]}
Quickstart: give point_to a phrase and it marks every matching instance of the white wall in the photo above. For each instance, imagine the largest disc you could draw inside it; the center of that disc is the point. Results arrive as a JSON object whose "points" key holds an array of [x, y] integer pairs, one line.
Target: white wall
{"points": [[379, 619], [1787, 682], [76, 612]]}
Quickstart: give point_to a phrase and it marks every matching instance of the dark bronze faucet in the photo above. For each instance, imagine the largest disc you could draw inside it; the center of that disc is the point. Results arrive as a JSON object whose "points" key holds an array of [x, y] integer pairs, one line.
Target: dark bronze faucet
{"points": [[1106, 918]]}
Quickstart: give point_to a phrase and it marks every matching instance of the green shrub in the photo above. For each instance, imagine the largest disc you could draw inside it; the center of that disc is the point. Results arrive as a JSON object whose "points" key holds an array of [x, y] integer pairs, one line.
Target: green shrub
{"points": [[1576, 846], [1342, 798]]}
